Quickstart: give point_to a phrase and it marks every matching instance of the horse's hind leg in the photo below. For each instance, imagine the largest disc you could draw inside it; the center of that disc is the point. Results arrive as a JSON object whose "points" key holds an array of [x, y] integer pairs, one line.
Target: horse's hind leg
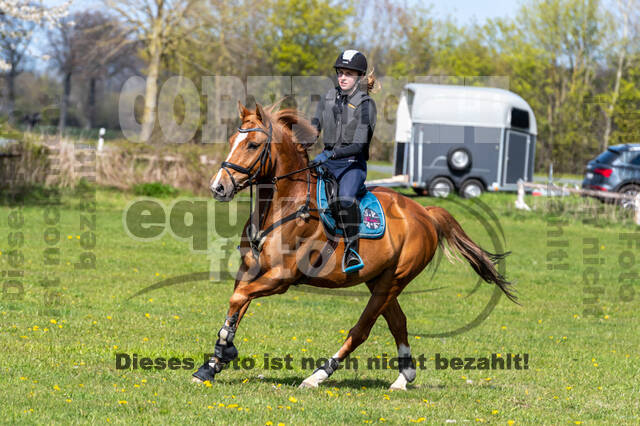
{"points": [[397, 322], [386, 291]]}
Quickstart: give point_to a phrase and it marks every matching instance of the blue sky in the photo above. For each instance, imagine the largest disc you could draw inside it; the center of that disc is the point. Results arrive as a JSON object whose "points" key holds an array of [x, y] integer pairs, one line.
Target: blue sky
{"points": [[465, 11]]}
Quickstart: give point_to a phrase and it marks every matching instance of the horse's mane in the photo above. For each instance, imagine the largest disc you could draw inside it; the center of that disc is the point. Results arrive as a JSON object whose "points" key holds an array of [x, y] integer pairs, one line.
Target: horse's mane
{"points": [[299, 130]]}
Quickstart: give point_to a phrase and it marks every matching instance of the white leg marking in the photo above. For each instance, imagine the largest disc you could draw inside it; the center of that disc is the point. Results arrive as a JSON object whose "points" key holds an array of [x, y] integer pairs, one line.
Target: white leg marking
{"points": [[314, 380], [400, 383]]}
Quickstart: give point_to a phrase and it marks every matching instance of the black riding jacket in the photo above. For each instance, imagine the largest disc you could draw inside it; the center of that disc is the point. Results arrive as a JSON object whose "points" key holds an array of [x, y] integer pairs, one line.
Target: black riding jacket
{"points": [[347, 123]]}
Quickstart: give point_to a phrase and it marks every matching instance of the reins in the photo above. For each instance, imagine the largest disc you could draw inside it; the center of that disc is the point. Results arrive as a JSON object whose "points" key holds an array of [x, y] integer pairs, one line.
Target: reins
{"points": [[257, 236]]}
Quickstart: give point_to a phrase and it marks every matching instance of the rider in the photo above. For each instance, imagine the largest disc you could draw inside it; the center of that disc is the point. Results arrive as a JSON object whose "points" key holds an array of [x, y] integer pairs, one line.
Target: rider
{"points": [[347, 116]]}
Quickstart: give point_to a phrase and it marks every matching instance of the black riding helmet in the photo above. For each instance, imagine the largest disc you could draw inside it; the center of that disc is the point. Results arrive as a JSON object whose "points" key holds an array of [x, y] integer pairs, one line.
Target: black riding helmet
{"points": [[353, 60]]}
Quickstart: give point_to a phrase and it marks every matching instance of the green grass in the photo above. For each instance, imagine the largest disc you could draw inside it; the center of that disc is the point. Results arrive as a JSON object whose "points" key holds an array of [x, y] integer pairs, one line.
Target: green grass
{"points": [[59, 342]]}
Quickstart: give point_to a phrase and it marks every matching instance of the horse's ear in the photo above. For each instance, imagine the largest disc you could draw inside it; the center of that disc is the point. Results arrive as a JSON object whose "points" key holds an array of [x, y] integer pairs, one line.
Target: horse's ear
{"points": [[242, 110], [260, 113]]}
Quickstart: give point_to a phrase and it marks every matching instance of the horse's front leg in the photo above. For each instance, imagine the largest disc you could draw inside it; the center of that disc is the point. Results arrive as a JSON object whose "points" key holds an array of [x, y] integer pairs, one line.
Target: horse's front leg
{"points": [[225, 351]]}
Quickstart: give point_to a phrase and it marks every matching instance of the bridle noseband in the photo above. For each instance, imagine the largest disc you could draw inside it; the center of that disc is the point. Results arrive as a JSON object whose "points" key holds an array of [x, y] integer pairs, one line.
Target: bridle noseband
{"points": [[263, 158]]}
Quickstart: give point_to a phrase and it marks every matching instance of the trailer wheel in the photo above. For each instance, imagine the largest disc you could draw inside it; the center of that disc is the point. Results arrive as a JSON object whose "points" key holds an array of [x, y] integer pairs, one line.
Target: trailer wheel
{"points": [[459, 159], [440, 187], [471, 188]]}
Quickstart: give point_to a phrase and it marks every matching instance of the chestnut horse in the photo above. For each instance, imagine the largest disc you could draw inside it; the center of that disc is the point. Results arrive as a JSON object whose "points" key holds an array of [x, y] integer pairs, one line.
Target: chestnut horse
{"points": [[282, 239]]}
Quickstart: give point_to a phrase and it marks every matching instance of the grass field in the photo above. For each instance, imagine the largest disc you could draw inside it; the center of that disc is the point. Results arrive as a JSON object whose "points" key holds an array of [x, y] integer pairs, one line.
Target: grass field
{"points": [[60, 338]]}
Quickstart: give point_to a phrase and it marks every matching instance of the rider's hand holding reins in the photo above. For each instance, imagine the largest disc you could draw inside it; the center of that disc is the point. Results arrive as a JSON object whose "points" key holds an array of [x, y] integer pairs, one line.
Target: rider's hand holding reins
{"points": [[321, 158]]}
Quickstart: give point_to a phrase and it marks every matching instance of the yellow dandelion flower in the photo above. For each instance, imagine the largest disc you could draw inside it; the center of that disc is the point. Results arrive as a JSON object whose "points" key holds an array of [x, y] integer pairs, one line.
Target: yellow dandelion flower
{"points": [[293, 399], [123, 402], [147, 315], [494, 412], [176, 317], [68, 400], [56, 387], [52, 321], [108, 317], [510, 422]]}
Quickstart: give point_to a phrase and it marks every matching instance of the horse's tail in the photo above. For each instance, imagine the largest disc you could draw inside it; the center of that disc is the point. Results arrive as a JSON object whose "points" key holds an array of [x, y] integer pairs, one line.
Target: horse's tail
{"points": [[480, 260]]}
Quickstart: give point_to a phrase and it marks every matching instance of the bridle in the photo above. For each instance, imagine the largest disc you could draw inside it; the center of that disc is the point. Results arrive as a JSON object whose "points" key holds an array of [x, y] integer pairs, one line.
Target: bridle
{"points": [[257, 236], [263, 158]]}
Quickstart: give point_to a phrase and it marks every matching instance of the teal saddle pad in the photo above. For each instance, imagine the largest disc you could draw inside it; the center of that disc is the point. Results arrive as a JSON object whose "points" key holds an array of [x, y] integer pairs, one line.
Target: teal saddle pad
{"points": [[373, 221]]}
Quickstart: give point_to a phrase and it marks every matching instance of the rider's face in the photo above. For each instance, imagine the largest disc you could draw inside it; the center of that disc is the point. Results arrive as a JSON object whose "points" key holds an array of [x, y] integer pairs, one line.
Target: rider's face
{"points": [[346, 78]]}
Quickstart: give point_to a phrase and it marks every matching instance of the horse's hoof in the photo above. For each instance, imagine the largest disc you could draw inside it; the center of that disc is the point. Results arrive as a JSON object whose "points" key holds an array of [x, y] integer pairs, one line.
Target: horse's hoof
{"points": [[204, 373], [398, 387], [309, 385]]}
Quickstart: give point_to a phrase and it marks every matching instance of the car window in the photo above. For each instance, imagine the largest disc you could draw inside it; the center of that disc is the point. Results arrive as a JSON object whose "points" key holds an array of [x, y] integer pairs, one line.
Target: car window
{"points": [[635, 160], [607, 157]]}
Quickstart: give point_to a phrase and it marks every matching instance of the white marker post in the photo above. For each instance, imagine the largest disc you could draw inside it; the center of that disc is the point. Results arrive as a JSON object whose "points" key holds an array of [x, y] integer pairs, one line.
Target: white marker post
{"points": [[101, 139]]}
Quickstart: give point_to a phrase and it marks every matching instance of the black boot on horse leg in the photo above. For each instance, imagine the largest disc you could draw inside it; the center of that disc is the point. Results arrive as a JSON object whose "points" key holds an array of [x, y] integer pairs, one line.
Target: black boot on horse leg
{"points": [[224, 352], [350, 223]]}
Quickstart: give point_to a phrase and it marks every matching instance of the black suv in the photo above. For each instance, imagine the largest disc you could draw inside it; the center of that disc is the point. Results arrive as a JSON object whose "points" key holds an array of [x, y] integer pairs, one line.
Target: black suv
{"points": [[615, 170]]}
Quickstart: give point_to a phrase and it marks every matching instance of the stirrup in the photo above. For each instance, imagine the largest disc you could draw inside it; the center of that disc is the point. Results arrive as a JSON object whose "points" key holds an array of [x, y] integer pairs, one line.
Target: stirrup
{"points": [[352, 268]]}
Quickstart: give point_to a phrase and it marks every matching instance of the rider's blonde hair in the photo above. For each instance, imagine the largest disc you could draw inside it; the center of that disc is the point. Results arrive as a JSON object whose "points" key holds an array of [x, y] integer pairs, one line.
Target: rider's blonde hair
{"points": [[373, 85]]}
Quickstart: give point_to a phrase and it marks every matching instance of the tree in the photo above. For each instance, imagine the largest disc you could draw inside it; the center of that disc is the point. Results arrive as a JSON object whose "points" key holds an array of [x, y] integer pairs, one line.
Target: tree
{"points": [[107, 50], [305, 36], [67, 56], [160, 25], [625, 16], [14, 42]]}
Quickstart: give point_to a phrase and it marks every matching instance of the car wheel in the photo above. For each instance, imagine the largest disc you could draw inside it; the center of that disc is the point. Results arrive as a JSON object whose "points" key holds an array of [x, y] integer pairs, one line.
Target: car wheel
{"points": [[459, 159], [441, 187], [471, 188], [631, 189]]}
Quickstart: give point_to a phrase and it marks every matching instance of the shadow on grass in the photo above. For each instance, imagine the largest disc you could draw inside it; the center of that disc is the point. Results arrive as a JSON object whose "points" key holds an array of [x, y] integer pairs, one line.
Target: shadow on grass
{"points": [[294, 381]]}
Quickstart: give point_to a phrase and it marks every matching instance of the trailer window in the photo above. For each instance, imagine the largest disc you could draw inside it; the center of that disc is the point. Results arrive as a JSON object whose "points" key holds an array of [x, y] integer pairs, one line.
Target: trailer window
{"points": [[519, 118]]}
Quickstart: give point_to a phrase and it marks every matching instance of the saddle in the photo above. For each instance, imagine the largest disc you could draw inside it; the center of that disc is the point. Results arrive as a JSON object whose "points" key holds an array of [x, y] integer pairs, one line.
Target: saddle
{"points": [[373, 222]]}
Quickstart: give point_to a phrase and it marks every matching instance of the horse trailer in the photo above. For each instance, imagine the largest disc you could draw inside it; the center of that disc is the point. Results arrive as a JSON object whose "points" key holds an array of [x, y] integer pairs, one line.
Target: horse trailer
{"points": [[463, 138]]}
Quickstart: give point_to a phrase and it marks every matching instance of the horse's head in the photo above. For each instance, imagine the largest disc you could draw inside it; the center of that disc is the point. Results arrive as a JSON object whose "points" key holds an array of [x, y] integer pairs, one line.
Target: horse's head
{"points": [[250, 156], [260, 140]]}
